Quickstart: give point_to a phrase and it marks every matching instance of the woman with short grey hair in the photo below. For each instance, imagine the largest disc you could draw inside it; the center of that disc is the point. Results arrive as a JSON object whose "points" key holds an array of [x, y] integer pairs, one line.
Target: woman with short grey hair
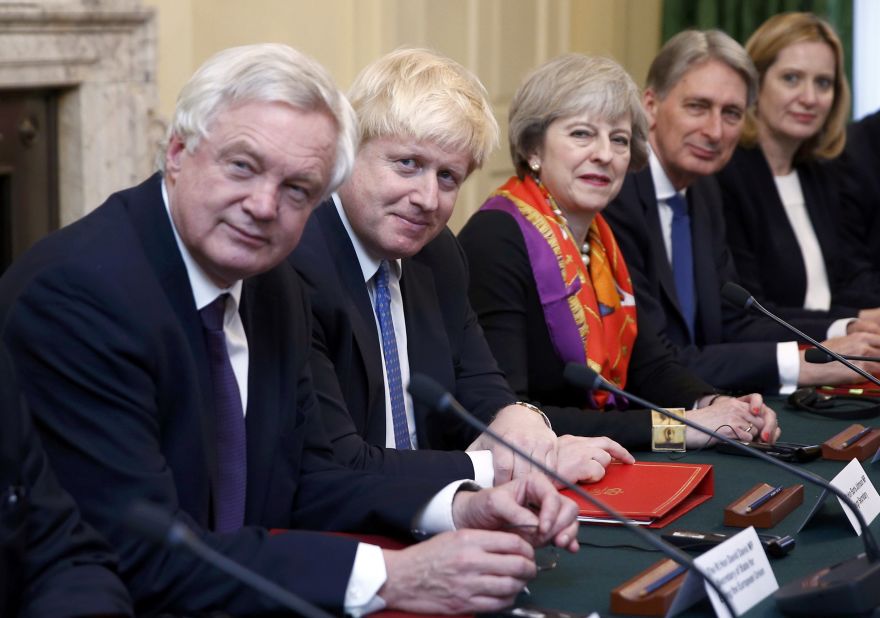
{"points": [[548, 281]]}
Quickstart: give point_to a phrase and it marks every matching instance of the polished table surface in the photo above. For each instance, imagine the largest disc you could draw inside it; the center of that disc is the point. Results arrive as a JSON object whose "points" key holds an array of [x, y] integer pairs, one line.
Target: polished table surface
{"points": [[581, 583]]}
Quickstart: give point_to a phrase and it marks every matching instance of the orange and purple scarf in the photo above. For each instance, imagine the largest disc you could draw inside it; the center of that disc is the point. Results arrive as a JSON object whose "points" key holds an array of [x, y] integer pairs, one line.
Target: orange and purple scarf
{"points": [[589, 311]]}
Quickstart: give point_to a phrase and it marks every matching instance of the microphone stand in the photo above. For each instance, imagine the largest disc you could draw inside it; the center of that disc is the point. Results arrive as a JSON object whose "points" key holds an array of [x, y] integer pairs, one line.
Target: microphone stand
{"points": [[791, 597], [819, 357], [430, 393], [738, 295]]}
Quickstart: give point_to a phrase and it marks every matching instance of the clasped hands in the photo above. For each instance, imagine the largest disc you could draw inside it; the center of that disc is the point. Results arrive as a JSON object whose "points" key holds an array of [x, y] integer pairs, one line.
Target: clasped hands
{"points": [[575, 458], [743, 418]]}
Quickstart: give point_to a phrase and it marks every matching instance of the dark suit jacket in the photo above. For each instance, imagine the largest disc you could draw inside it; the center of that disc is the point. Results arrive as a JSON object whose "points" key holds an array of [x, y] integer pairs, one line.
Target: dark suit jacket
{"points": [[732, 349], [110, 351], [444, 342], [51, 564], [504, 294], [767, 255], [860, 200]]}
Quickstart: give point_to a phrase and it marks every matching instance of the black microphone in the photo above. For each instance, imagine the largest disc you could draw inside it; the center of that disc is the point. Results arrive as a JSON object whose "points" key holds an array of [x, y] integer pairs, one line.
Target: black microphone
{"points": [[160, 526], [851, 587], [815, 355], [431, 394], [740, 296]]}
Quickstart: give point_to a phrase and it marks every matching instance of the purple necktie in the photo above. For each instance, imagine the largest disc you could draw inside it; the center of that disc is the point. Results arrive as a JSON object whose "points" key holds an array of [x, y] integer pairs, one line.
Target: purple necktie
{"points": [[392, 362], [229, 495]]}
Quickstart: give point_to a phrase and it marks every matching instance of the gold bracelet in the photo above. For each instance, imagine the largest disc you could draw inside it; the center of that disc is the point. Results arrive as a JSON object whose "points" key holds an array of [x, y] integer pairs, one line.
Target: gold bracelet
{"points": [[536, 410]]}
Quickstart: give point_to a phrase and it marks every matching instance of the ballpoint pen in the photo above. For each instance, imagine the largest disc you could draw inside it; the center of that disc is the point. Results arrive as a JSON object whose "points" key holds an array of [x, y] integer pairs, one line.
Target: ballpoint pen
{"points": [[850, 441], [662, 580], [763, 499]]}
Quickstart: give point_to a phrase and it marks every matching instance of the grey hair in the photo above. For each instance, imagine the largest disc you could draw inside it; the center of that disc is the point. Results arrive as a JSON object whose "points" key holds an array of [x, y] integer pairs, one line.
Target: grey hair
{"points": [[694, 47], [569, 85], [267, 72]]}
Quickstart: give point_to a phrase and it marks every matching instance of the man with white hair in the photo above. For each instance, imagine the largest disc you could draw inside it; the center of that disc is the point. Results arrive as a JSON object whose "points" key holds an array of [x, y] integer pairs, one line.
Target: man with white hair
{"points": [[163, 345]]}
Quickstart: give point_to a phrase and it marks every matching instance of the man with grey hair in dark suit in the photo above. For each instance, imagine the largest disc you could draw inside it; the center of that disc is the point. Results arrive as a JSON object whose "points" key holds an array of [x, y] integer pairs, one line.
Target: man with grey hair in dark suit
{"points": [[668, 222]]}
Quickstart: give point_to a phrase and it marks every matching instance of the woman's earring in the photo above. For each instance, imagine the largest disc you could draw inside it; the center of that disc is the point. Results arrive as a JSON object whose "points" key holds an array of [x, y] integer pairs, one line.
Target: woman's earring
{"points": [[535, 166]]}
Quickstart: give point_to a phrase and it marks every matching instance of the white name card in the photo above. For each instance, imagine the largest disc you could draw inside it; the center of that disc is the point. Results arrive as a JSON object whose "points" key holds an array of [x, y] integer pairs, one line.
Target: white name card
{"points": [[739, 566], [854, 482]]}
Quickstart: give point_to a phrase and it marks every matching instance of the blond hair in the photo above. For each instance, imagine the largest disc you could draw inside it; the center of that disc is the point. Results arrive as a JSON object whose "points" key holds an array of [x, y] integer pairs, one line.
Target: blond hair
{"points": [[424, 95], [765, 45]]}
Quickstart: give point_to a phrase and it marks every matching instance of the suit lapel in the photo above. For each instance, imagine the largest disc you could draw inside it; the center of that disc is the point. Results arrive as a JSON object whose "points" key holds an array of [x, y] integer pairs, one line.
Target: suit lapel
{"points": [[359, 309], [261, 325], [815, 202], [705, 274], [160, 248], [648, 198], [425, 335]]}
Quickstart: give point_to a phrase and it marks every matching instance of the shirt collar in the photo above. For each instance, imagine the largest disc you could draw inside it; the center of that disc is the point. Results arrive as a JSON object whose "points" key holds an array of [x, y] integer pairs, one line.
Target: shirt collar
{"points": [[369, 264], [204, 290], [662, 184]]}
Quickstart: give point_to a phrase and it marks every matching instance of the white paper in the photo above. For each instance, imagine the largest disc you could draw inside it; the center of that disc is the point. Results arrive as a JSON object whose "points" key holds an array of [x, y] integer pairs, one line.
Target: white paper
{"points": [[854, 482], [740, 567]]}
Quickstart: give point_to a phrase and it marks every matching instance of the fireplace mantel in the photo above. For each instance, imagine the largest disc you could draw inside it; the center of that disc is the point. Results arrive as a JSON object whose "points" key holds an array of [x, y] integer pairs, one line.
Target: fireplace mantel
{"points": [[100, 56]]}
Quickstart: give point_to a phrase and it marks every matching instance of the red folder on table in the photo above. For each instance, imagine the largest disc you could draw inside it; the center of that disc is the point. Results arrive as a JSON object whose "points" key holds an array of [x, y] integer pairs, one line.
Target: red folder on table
{"points": [[647, 493]]}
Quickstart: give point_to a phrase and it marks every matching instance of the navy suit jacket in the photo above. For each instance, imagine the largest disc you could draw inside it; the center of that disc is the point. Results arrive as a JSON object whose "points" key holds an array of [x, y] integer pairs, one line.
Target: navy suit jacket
{"points": [[102, 325], [857, 168], [765, 249], [444, 342], [51, 564], [732, 349]]}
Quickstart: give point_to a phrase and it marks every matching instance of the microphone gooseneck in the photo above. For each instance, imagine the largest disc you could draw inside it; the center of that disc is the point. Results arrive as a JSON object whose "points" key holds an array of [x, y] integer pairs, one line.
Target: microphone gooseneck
{"points": [[739, 296], [858, 579], [430, 393], [815, 355], [158, 525]]}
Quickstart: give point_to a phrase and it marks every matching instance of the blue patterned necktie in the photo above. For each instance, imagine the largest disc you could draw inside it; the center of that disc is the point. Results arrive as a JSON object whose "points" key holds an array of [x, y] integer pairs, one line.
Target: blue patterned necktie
{"points": [[229, 496], [683, 259], [392, 362]]}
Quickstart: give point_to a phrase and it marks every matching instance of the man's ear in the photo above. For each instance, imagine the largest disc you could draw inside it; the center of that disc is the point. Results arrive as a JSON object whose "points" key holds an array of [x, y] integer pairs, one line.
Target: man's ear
{"points": [[174, 153], [650, 100]]}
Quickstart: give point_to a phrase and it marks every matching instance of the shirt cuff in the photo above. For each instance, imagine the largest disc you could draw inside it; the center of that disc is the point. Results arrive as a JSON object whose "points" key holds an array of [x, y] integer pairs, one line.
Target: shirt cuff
{"points": [[788, 359], [484, 467], [368, 574], [838, 327], [436, 516]]}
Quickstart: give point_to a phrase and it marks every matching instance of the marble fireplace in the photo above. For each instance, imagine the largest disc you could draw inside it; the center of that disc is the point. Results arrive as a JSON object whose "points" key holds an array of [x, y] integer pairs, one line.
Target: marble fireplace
{"points": [[97, 59]]}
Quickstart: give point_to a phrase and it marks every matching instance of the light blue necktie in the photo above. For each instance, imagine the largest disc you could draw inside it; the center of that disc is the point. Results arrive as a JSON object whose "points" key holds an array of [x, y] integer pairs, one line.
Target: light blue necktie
{"points": [[392, 362], [683, 259]]}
